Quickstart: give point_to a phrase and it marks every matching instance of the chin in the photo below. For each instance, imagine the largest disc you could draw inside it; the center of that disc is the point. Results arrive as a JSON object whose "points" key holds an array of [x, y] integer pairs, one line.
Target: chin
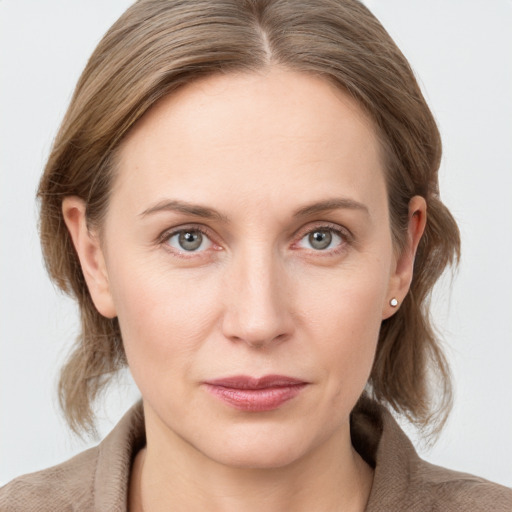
{"points": [[257, 457], [257, 448]]}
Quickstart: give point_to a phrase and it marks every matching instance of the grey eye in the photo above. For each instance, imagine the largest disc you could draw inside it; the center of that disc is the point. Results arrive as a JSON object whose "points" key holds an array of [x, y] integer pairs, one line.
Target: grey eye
{"points": [[189, 240], [320, 239]]}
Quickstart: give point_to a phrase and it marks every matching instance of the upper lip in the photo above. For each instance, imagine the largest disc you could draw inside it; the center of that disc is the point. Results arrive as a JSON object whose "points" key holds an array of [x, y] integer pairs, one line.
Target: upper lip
{"points": [[246, 382]]}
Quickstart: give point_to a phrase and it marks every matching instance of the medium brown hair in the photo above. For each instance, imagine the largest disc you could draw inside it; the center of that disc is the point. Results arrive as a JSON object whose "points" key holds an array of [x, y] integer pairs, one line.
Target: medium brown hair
{"points": [[159, 45]]}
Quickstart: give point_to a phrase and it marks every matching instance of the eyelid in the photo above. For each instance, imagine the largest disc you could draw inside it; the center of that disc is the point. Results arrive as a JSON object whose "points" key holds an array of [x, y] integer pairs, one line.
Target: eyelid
{"points": [[168, 233], [342, 231]]}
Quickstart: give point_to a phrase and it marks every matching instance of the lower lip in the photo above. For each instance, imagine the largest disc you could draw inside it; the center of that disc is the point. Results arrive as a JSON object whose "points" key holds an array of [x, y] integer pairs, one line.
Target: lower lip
{"points": [[256, 400]]}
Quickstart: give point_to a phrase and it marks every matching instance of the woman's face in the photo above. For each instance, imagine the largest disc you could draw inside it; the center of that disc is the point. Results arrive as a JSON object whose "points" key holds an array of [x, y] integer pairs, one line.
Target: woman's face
{"points": [[247, 237]]}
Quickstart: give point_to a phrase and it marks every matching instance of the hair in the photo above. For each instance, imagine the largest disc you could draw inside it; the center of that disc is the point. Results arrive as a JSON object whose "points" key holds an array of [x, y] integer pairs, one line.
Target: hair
{"points": [[157, 46]]}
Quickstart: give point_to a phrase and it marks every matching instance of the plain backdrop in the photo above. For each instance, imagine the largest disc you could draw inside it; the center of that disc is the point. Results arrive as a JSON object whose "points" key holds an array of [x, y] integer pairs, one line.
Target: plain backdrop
{"points": [[461, 51]]}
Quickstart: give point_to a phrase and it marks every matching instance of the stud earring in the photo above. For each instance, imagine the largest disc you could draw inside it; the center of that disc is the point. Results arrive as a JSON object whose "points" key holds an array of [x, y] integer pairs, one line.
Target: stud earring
{"points": [[393, 302]]}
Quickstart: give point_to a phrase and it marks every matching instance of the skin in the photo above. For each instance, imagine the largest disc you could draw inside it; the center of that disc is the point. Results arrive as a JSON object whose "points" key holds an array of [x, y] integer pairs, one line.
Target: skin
{"points": [[257, 297]]}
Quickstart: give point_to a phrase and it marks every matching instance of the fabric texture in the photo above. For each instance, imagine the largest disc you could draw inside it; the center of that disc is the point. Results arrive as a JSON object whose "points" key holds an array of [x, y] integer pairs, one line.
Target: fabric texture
{"points": [[97, 479]]}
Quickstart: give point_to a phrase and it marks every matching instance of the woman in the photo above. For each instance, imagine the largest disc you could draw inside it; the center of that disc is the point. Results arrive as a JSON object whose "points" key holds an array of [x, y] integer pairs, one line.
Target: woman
{"points": [[238, 200]]}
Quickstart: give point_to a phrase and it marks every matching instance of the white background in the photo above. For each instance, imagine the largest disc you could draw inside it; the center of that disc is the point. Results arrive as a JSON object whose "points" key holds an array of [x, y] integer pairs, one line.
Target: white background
{"points": [[462, 52]]}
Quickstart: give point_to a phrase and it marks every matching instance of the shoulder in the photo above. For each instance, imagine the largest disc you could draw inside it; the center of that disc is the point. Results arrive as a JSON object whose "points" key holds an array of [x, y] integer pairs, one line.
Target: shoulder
{"points": [[451, 490], [405, 482], [67, 486], [96, 479]]}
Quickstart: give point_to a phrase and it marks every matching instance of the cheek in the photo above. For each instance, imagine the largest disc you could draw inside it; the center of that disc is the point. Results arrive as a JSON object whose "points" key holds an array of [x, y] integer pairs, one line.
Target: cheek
{"points": [[349, 298], [164, 317], [344, 318]]}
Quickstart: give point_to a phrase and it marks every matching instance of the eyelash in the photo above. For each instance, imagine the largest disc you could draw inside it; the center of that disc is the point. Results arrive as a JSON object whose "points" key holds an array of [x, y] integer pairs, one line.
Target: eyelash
{"points": [[163, 240], [344, 234]]}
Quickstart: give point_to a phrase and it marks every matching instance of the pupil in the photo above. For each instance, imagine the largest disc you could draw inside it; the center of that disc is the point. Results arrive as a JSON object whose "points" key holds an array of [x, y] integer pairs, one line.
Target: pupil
{"points": [[190, 240], [320, 239]]}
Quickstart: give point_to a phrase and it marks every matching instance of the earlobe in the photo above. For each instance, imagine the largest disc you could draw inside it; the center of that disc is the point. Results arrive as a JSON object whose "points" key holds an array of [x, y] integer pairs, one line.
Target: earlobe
{"points": [[402, 274], [90, 254]]}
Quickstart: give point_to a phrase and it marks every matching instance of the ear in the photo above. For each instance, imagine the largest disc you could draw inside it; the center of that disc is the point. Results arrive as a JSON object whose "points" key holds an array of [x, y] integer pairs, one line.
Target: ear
{"points": [[402, 273], [90, 254]]}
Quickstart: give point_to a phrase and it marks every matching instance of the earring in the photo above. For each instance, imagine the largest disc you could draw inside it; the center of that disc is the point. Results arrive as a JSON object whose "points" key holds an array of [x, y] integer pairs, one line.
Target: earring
{"points": [[393, 302]]}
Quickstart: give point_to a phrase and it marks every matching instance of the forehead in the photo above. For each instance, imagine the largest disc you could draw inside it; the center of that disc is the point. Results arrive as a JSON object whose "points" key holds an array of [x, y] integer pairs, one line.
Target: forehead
{"points": [[256, 134]]}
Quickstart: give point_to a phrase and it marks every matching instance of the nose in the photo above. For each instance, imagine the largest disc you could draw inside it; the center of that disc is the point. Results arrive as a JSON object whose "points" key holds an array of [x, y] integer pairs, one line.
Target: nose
{"points": [[257, 307]]}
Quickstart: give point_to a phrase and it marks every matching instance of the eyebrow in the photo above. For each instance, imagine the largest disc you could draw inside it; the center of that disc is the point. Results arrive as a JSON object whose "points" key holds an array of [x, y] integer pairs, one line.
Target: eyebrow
{"points": [[329, 205], [187, 208], [212, 214]]}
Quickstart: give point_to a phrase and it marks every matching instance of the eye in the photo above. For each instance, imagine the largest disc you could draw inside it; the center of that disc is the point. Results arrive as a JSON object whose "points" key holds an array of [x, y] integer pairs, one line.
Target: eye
{"points": [[322, 239], [189, 240]]}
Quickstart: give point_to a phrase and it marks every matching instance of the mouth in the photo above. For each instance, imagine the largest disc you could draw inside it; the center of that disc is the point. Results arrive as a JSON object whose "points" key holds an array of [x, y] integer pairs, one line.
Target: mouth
{"points": [[255, 394]]}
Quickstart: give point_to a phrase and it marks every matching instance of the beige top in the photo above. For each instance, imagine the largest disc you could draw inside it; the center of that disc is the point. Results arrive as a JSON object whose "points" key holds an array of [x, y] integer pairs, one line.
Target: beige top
{"points": [[97, 479]]}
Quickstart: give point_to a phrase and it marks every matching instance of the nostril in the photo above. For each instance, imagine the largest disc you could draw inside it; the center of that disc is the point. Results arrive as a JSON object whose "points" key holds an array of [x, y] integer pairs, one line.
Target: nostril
{"points": [[265, 342]]}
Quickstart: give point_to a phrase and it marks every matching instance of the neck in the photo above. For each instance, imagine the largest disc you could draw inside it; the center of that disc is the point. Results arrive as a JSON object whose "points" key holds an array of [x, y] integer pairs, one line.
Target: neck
{"points": [[169, 471]]}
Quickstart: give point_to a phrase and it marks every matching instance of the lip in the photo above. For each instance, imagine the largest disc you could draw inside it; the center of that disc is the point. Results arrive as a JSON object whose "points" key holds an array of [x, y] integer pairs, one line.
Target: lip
{"points": [[252, 394]]}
